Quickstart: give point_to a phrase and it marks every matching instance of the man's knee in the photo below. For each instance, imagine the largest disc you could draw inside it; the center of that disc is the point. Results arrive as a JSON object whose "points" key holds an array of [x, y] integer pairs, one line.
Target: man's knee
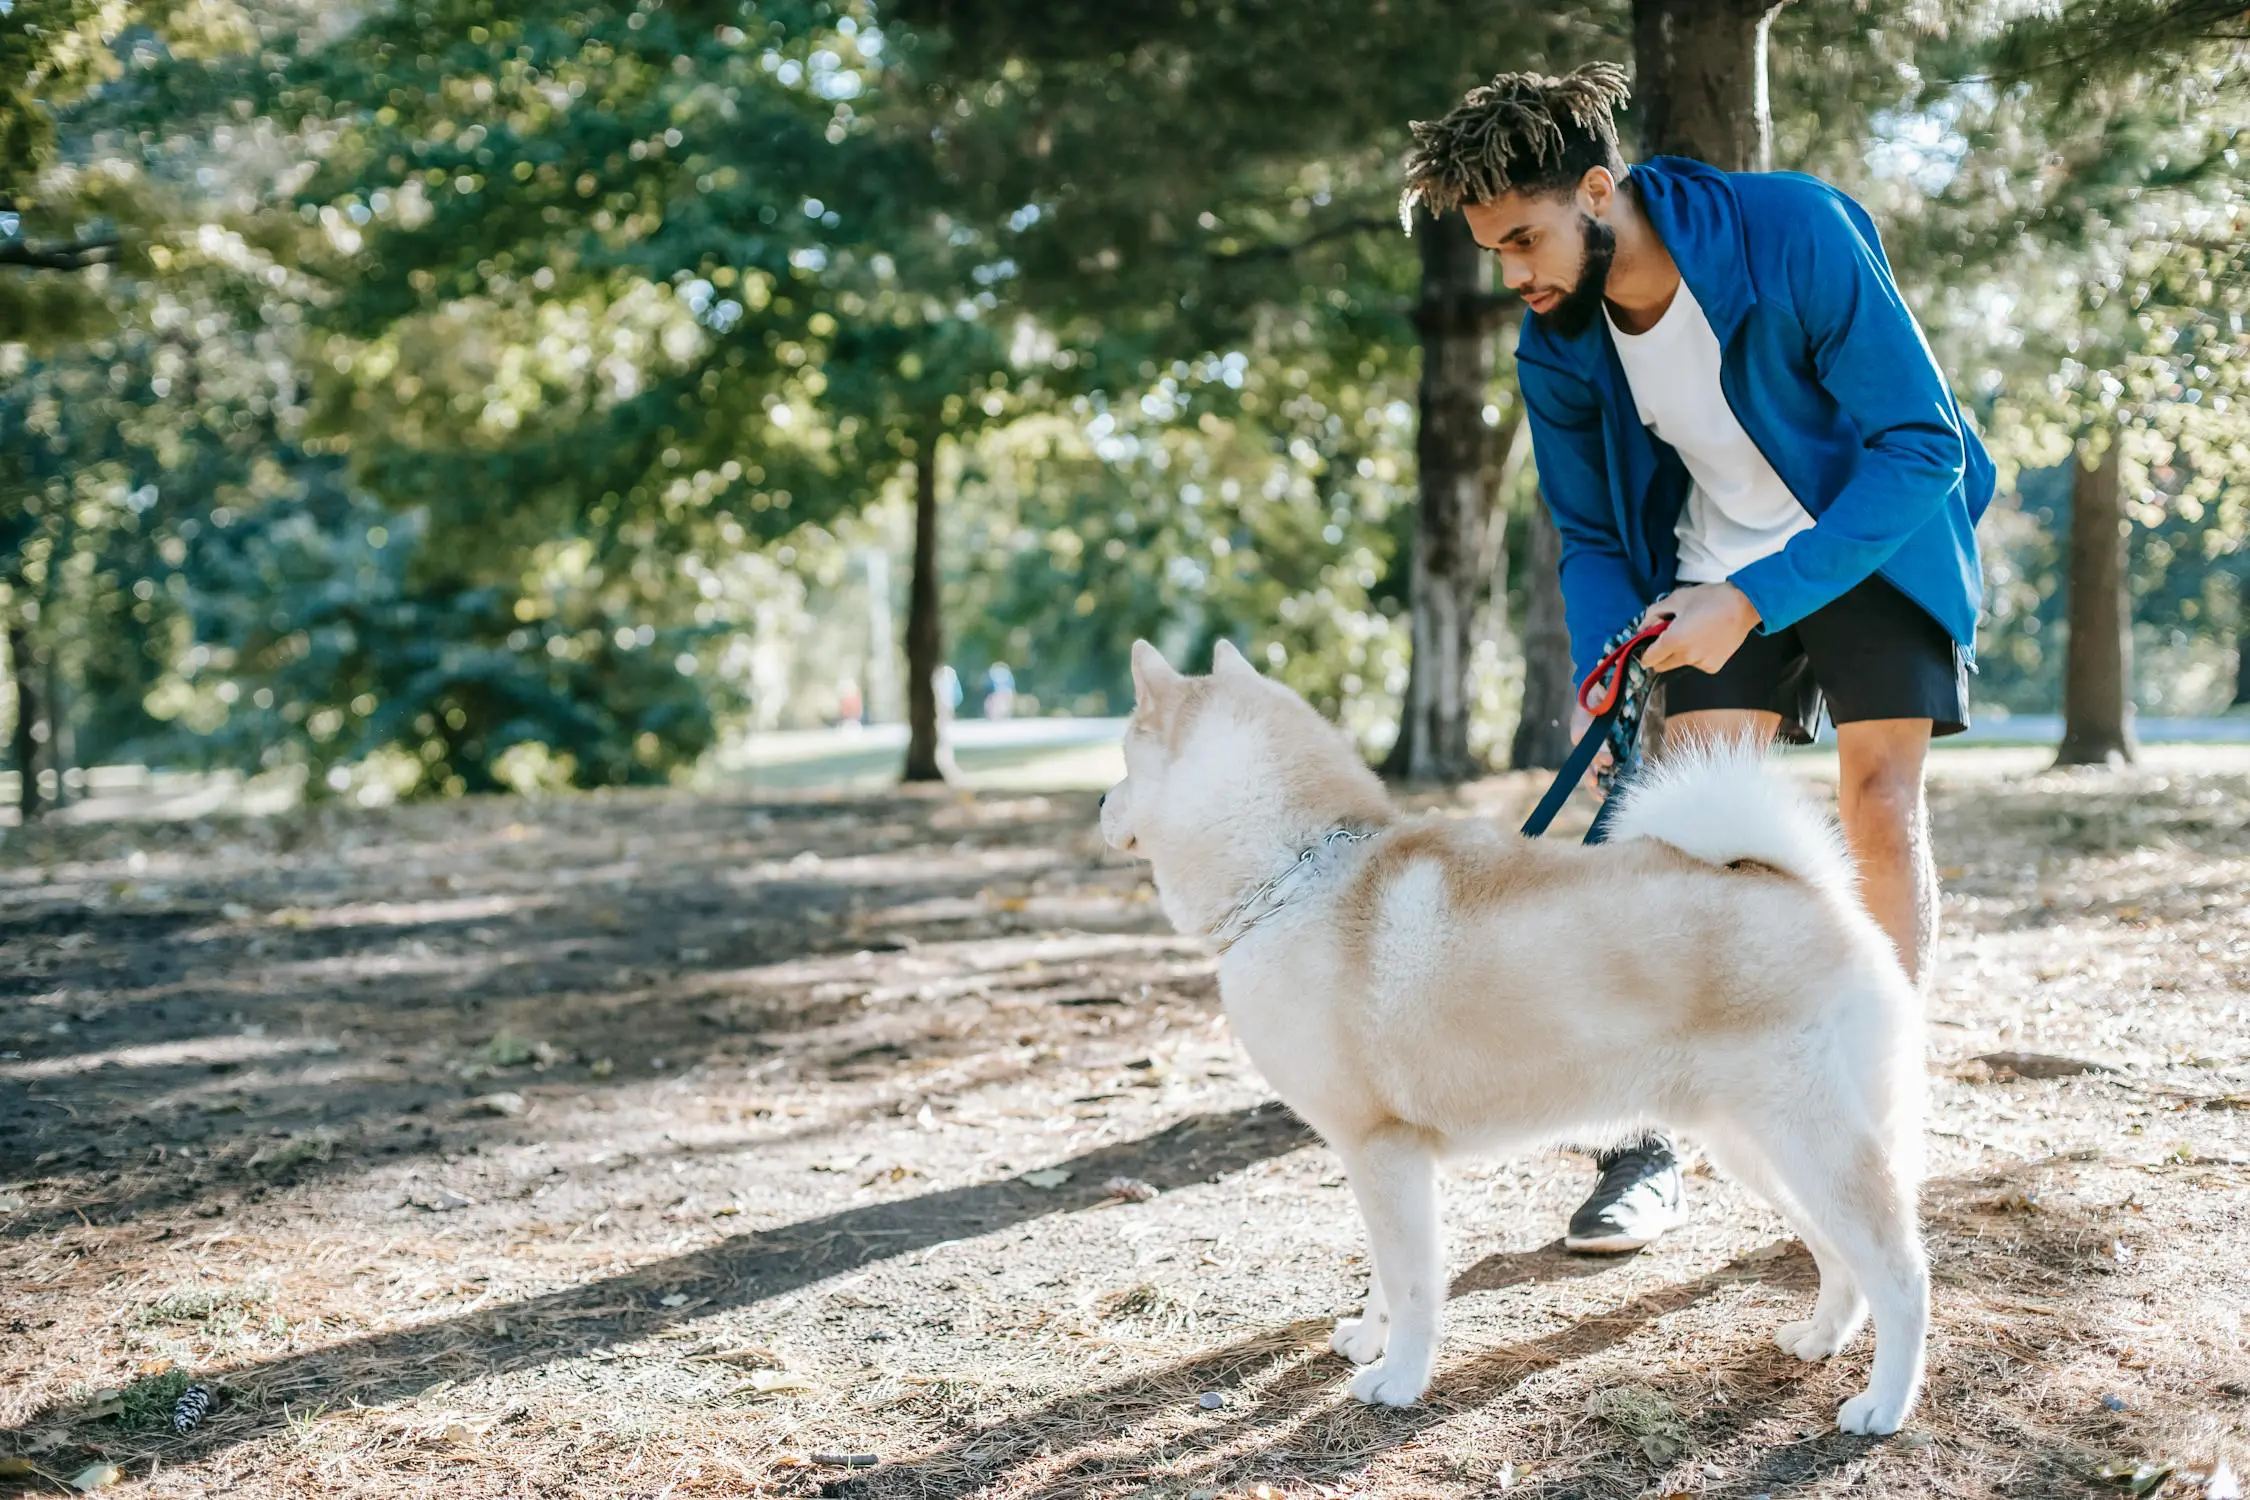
{"points": [[1883, 806]]}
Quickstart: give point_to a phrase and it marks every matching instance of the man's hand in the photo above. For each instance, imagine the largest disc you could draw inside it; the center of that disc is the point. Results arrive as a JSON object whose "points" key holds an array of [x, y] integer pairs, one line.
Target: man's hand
{"points": [[1710, 621]]}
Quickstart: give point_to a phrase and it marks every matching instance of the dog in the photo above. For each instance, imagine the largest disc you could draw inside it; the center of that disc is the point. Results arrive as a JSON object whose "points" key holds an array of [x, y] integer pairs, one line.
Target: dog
{"points": [[1419, 987]]}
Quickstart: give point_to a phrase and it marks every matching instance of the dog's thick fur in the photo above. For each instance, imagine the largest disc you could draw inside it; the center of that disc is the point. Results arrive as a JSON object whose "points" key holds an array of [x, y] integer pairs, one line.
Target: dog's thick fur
{"points": [[1444, 986]]}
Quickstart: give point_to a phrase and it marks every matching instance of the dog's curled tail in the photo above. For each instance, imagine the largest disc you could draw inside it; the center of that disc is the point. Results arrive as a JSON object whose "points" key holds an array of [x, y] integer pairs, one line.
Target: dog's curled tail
{"points": [[1721, 802]]}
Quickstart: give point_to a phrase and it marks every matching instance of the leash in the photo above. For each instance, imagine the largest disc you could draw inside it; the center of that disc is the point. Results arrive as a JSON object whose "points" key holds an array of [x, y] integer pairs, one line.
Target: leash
{"points": [[1616, 694]]}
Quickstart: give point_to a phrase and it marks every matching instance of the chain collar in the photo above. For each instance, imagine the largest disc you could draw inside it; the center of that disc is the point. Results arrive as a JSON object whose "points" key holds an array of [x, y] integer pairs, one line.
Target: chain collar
{"points": [[1272, 896]]}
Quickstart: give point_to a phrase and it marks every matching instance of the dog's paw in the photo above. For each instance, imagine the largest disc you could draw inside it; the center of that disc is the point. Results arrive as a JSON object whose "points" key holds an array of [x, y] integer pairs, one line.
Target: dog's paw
{"points": [[1872, 1415], [1384, 1385], [1360, 1340], [1812, 1340]]}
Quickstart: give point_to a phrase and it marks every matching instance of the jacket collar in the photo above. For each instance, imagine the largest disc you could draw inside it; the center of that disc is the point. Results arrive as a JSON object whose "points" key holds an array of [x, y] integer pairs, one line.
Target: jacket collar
{"points": [[1694, 211]]}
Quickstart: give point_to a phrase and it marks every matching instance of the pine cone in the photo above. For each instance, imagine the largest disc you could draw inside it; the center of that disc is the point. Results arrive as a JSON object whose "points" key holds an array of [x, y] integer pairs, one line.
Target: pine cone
{"points": [[194, 1404]]}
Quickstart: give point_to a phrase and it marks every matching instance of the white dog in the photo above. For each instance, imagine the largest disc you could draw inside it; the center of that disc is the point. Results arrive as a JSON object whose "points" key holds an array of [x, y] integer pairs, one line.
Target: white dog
{"points": [[1418, 987]]}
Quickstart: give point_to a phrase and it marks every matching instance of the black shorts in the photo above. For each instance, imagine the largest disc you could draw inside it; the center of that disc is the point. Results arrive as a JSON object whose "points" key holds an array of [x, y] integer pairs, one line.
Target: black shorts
{"points": [[1872, 654]]}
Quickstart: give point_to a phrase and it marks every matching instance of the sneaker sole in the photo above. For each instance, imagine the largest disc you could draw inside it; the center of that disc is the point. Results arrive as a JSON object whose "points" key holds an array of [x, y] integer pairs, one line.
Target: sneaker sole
{"points": [[1608, 1244]]}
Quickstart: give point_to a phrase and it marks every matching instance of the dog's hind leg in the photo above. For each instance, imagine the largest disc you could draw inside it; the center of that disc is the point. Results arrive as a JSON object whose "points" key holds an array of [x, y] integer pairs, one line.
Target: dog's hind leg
{"points": [[1838, 1308], [1393, 1174], [1840, 1173]]}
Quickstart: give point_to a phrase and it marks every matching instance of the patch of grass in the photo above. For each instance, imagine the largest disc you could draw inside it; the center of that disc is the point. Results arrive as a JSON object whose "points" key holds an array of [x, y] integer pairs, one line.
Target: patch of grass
{"points": [[146, 1405], [226, 1304], [1637, 1412], [1149, 1311], [1145, 1300], [293, 1151], [944, 1400]]}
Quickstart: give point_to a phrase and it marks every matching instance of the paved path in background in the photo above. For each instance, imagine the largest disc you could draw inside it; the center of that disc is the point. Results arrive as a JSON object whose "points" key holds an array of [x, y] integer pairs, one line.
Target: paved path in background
{"points": [[1034, 755]]}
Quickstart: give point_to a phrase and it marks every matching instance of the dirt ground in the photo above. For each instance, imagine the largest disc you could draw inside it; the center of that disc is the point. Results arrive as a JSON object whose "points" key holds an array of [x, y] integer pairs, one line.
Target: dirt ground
{"points": [[658, 1145]]}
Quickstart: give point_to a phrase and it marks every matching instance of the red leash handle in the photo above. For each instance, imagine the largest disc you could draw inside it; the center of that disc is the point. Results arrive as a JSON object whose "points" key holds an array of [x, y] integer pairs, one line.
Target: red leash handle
{"points": [[1613, 667]]}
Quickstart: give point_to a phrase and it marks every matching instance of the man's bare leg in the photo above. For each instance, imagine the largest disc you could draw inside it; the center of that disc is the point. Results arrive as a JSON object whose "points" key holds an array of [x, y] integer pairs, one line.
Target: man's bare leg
{"points": [[1887, 823], [1886, 817]]}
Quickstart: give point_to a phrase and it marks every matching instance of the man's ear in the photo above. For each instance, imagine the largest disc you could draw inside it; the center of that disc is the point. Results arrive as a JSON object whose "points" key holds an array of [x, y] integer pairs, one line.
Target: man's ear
{"points": [[1226, 661], [1597, 190], [1153, 677]]}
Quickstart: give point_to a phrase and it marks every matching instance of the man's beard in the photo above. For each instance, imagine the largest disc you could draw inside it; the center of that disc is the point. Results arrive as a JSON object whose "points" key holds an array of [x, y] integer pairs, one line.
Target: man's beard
{"points": [[1574, 314]]}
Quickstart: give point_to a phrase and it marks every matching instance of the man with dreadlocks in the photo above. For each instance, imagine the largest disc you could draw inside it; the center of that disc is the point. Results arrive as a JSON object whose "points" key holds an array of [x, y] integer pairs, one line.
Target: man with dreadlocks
{"points": [[1739, 427]]}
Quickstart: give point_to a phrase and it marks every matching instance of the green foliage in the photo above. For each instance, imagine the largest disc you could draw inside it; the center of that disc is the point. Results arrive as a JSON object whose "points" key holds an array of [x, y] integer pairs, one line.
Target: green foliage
{"points": [[1258, 505], [146, 1405], [341, 614]]}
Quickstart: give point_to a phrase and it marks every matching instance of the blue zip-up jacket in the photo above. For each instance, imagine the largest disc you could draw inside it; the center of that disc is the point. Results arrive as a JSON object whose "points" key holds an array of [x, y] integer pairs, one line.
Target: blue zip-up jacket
{"points": [[1828, 373]]}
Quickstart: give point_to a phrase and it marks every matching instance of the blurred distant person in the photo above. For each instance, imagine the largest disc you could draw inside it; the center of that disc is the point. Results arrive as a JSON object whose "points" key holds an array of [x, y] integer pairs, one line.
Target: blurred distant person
{"points": [[851, 705], [948, 685], [999, 691], [1739, 428]]}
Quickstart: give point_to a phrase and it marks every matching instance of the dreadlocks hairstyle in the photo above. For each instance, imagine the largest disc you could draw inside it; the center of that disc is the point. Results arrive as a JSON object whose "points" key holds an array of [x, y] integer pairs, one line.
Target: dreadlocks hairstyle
{"points": [[1522, 132]]}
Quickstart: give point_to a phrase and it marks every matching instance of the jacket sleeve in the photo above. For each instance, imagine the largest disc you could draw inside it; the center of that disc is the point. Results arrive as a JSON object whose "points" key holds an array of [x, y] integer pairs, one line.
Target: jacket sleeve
{"points": [[1598, 591], [1869, 354]]}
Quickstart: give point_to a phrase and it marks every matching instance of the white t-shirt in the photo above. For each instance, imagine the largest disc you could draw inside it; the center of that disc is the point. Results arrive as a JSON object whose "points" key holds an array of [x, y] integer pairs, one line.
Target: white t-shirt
{"points": [[1737, 510]]}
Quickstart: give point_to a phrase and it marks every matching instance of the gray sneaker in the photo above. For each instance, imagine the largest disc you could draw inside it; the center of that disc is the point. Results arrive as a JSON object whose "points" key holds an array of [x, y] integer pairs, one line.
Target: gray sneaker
{"points": [[1637, 1199]]}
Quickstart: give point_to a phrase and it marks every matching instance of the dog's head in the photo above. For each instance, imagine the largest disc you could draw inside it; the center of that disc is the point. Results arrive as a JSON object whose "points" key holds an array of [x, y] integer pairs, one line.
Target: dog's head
{"points": [[1226, 756]]}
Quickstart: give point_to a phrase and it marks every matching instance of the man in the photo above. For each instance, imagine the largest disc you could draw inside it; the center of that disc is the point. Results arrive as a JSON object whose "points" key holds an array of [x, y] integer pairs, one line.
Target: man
{"points": [[1739, 427]]}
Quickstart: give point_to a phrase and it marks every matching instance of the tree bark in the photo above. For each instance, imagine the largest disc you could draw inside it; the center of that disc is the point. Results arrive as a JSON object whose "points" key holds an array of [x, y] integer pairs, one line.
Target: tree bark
{"points": [[1699, 89], [1700, 80], [2098, 656], [1456, 453], [1543, 732], [2242, 642], [2242, 666], [23, 672], [62, 744], [927, 757]]}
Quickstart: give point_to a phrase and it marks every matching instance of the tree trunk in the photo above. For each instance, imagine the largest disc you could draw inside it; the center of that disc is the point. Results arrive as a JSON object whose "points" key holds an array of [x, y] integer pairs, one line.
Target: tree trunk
{"points": [[1543, 732], [2098, 656], [23, 671], [1699, 89], [927, 757], [1700, 80], [2242, 644], [62, 745], [1456, 455]]}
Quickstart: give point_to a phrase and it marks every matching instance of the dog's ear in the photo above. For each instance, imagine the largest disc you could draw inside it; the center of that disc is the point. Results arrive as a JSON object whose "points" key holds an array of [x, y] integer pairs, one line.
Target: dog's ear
{"points": [[1226, 661], [1153, 677]]}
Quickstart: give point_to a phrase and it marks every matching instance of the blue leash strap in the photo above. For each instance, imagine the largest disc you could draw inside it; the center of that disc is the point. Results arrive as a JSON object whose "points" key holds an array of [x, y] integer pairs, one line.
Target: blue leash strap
{"points": [[1624, 699], [1566, 780]]}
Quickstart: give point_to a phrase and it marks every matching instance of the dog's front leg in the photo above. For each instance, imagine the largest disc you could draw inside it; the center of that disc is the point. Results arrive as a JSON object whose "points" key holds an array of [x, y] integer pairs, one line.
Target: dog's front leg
{"points": [[1394, 1175]]}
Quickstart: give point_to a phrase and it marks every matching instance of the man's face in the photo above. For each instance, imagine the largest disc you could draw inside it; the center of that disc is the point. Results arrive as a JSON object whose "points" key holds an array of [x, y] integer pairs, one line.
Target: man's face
{"points": [[1554, 251]]}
